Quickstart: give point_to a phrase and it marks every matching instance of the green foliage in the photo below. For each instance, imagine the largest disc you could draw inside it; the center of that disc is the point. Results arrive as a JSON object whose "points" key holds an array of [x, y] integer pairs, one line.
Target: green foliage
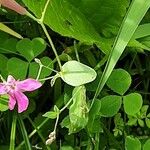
{"points": [[75, 39], [78, 111], [34, 67], [132, 143], [94, 117], [132, 103], [146, 145], [72, 22], [119, 125], [130, 23], [3, 62], [119, 81], [3, 103], [31, 49], [110, 105], [76, 74], [17, 68], [66, 148]]}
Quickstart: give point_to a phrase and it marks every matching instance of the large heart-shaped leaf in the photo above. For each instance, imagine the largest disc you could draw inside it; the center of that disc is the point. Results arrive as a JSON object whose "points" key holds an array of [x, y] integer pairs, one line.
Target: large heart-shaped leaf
{"points": [[75, 73], [98, 10], [82, 20]]}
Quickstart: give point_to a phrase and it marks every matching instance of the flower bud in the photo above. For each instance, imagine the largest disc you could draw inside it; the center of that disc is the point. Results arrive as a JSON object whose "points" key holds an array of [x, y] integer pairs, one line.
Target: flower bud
{"points": [[51, 139], [13, 5]]}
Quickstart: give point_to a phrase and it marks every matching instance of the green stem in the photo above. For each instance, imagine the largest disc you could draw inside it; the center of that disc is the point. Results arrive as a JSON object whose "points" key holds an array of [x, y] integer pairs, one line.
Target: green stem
{"points": [[33, 132], [68, 103], [13, 132], [76, 51], [39, 72], [24, 133], [39, 133], [44, 11], [40, 21], [56, 123], [52, 45]]}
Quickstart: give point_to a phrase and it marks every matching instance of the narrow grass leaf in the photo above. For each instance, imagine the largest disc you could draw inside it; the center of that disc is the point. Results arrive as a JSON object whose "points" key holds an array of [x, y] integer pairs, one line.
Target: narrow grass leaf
{"points": [[136, 12]]}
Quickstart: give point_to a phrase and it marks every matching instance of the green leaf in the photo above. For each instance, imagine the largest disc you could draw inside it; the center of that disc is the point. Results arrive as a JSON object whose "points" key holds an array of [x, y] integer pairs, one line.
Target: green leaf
{"points": [[132, 143], [119, 81], [146, 145], [75, 73], [93, 115], [3, 103], [50, 114], [17, 68], [132, 121], [3, 62], [66, 148], [30, 49], [144, 110], [147, 121], [133, 17], [34, 68], [65, 122], [132, 103], [78, 111], [110, 105], [141, 122], [9, 45], [9, 31], [98, 10], [142, 31], [69, 21]]}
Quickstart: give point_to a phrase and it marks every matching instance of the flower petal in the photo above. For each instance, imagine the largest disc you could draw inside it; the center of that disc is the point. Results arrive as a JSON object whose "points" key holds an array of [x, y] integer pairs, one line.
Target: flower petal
{"points": [[12, 101], [13, 5], [11, 79], [2, 89], [22, 101], [28, 85]]}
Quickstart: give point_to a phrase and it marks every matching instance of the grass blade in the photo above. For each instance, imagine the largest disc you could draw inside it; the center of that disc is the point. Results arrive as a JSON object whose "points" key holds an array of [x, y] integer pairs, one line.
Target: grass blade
{"points": [[13, 132], [24, 133], [136, 12]]}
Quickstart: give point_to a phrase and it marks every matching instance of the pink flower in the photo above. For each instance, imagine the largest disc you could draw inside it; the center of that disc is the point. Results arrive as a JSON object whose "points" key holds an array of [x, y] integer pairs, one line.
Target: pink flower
{"points": [[13, 5], [15, 91]]}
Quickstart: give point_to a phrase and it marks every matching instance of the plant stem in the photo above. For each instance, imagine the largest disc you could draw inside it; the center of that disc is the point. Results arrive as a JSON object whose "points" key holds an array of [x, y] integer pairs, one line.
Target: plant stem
{"points": [[13, 132], [39, 72], [69, 101], [76, 51], [24, 133], [44, 11], [33, 132], [52, 45], [40, 21], [39, 133]]}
